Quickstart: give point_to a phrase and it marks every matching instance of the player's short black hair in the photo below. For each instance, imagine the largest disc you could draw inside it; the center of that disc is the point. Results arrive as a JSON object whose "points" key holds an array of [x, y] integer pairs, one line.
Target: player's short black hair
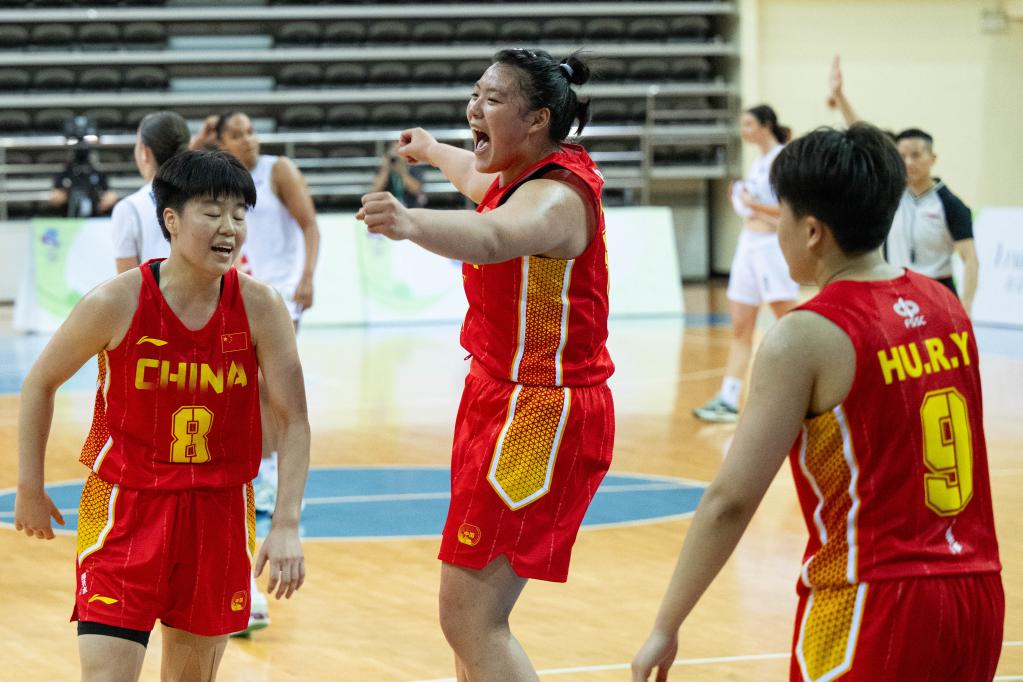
{"points": [[194, 174], [851, 180], [916, 134], [547, 83]]}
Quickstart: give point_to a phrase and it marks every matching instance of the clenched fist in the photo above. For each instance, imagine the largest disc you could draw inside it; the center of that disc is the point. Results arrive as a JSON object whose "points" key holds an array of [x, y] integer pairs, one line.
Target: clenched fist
{"points": [[383, 214]]}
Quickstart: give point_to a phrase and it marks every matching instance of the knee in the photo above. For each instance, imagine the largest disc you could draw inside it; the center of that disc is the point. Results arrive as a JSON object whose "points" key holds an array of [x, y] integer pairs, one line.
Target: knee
{"points": [[455, 617]]}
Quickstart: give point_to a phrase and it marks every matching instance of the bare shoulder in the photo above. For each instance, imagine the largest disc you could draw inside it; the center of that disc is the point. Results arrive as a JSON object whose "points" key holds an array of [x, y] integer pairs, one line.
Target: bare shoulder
{"points": [[257, 296], [285, 168], [803, 336], [117, 297], [805, 344]]}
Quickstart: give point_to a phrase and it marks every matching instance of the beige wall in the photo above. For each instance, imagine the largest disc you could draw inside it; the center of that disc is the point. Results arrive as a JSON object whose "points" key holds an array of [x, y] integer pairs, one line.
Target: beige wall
{"points": [[923, 63]]}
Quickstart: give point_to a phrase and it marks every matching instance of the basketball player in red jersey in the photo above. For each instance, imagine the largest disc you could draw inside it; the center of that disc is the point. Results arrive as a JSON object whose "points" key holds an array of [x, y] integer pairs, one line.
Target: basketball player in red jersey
{"points": [[166, 528], [534, 431], [873, 391]]}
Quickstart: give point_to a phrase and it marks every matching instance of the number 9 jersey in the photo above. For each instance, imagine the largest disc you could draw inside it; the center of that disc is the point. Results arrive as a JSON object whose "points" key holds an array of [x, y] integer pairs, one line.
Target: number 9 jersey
{"points": [[893, 483], [178, 408]]}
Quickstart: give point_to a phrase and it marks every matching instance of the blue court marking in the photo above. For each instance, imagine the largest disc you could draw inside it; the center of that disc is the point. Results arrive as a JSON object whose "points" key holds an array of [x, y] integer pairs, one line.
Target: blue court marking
{"points": [[392, 502]]}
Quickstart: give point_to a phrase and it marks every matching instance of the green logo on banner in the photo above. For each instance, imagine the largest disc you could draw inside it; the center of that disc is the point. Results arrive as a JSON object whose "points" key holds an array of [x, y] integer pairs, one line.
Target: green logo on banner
{"points": [[51, 242], [387, 285]]}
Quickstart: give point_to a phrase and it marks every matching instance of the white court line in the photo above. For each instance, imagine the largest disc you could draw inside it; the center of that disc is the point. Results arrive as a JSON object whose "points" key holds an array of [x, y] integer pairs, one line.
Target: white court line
{"points": [[626, 666], [399, 497], [688, 661]]}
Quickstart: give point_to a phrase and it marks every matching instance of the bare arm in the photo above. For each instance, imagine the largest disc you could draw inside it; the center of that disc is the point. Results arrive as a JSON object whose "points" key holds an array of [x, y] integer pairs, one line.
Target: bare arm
{"points": [[125, 264], [836, 98], [543, 217], [971, 265], [87, 331], [781, 391], [277, 354], [290, 185], [457, 164]]}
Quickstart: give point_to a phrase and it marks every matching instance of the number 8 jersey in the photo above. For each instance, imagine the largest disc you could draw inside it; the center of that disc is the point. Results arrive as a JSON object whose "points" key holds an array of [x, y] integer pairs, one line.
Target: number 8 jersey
{"points": [[177, 408], [893, 483]]}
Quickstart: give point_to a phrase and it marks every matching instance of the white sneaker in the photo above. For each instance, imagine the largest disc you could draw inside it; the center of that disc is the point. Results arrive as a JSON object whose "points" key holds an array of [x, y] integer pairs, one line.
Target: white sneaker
{"points": [[264, 493], [259, 614]]}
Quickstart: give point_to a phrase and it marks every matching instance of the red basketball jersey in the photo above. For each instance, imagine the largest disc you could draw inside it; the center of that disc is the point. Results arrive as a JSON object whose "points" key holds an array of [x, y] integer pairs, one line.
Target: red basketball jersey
{"points": [[177, 408], [893, 482], [542, 321]]}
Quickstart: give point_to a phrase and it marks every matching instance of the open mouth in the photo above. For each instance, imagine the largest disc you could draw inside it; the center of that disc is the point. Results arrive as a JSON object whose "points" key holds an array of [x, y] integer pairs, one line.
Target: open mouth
{"points": [[224, 249], [481, 141]]}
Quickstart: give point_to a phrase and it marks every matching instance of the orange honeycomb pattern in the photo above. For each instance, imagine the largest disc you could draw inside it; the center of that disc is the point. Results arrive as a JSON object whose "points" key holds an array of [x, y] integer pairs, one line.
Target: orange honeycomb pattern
{"points": [[250, 519], [530, 443], [544, 311], [98, 432], [827, 630], [825, 459], [93, 512]]}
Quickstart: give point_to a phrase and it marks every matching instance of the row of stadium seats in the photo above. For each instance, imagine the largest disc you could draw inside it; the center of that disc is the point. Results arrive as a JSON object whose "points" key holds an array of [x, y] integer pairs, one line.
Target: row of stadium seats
{"points": [[96, 35], [49, 36], [488, 30], [347, 74], [109, 120]]}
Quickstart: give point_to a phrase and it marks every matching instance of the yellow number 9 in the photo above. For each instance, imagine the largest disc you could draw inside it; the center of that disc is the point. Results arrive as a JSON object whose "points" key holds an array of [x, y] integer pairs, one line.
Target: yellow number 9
{"points": [[190, 425], [948, 451]]}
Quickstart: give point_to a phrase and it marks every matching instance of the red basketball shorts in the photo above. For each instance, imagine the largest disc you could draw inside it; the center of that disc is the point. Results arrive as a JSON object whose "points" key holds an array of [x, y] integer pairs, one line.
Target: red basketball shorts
{"points": [[927, 629], [526, 462], [183, 557]]}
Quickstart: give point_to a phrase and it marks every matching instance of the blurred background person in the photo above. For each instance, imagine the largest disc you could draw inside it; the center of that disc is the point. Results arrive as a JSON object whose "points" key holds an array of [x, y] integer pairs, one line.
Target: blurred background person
{"points": [[759, 273], [136, 229], [396, 176], [81, 187]]}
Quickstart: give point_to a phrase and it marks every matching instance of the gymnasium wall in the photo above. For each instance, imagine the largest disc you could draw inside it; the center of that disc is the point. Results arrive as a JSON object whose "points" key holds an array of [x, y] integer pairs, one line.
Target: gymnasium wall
{"points": [[923, 63]]}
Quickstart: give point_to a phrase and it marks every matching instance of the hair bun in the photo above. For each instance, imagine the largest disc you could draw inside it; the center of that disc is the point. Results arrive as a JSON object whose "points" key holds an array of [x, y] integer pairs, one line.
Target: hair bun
{"points": [[575, 70]]}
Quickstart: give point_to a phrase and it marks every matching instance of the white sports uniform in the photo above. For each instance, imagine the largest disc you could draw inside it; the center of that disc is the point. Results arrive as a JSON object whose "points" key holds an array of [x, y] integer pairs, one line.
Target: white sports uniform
{"points": [[274, 251], [136, 230], [759, 273]]}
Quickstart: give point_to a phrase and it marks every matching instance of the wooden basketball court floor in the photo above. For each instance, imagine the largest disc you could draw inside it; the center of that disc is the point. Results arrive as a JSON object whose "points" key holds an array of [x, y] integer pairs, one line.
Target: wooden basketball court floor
{"points": [[388, 396]]}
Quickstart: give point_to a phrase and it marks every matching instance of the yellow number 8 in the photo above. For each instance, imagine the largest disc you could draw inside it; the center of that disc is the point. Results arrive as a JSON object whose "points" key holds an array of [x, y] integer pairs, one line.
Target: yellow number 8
{"points": [[948, 451], [191, 424]]}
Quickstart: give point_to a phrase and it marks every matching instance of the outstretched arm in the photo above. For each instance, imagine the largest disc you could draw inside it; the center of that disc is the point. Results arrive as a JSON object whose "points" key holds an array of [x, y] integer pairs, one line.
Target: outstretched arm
{"points": [[836, 98], [780, 391], [543, 217], [457, 164]]}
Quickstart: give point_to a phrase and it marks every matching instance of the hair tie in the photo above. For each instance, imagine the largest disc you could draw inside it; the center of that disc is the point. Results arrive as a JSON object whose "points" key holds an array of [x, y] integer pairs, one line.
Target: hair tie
{"points": [[569, 72]]}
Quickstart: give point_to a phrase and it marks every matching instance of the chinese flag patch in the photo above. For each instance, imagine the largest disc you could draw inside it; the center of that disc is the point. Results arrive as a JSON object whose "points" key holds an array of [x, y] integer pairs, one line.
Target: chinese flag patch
{"points": [[234, 342]]}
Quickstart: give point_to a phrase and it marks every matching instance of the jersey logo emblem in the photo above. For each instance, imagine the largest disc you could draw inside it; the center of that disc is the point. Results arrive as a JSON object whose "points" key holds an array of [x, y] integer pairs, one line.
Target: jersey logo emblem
{"points": [[239, 600], [909, 310], [469, 534], [234, 342], [150, 339], [106, 600]]}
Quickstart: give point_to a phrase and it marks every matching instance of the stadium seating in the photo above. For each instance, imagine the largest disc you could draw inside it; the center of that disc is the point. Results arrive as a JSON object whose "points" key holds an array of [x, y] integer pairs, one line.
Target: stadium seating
{"points": [[358, 69]]}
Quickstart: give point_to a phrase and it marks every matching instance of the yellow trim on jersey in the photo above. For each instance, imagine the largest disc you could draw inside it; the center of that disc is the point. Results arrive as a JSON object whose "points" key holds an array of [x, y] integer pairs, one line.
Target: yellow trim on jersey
{"points": [[830, 631]]}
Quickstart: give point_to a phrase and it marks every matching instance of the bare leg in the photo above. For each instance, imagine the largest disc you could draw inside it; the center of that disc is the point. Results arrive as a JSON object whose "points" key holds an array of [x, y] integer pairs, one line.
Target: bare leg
{"points": [[110, 659], [744, 321], [190, 658], [474, 610]]}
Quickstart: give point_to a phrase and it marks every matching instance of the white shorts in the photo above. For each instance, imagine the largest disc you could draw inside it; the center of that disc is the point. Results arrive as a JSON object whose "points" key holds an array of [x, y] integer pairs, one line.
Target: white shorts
{"points": [[759, 272]]}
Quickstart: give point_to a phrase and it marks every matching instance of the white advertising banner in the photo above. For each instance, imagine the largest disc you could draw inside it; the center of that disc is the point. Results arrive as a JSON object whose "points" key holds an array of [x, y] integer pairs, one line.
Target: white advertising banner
{"points": [[998, 235], [361, 278]]}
